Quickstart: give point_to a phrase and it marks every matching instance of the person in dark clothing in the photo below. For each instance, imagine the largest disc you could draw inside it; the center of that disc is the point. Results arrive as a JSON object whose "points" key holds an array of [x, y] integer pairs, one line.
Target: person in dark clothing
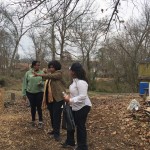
{"points": [[53, 97], [32, 88]]}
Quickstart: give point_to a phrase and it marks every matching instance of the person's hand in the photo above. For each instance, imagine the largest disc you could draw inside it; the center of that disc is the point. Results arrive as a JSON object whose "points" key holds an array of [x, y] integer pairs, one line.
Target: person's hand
{"points": [[34, 74], [44, 70], [66, 98], [24, 98], [26, 101], [40, 83]]}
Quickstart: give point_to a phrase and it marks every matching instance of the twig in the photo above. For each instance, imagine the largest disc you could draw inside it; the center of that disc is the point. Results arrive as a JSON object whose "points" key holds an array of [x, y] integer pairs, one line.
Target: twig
{"points": [[32, 9], [114, 11]]}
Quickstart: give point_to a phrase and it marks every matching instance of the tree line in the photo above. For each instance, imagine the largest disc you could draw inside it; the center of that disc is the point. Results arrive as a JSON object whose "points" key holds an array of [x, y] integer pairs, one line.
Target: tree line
{"points": [[69, 30]]}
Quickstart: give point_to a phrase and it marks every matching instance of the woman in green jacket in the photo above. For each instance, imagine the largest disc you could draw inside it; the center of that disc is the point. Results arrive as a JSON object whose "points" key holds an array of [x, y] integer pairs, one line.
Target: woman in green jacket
{"points": [[32, 88]]}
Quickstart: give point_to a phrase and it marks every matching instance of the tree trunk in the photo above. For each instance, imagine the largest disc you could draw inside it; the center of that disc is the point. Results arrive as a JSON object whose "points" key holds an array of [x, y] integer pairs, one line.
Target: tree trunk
{"points": [[12, 59], [53, 43]]}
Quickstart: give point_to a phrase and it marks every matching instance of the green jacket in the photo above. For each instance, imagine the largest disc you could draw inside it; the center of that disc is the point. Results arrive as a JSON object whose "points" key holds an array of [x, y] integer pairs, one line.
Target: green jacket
{"points": [[31, 83], [57, 84]]}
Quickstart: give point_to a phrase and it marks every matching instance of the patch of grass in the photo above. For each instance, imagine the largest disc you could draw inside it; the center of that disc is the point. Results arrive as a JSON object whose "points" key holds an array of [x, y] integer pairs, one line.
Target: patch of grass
{"points": [[110, 87], [11, 83]]}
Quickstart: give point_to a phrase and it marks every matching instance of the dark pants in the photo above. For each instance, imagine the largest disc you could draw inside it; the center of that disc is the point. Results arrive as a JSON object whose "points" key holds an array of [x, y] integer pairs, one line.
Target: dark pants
{"points": [[36, 103], [80, 118], [55, 111]]}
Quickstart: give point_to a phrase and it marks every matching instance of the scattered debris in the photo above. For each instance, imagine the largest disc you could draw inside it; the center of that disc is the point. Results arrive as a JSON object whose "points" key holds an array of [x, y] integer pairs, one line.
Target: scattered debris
{"points": [[134, 105]]}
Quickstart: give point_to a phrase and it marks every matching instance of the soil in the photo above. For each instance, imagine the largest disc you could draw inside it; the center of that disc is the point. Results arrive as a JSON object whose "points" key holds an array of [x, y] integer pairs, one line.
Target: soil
{"points": [[109, 126]]}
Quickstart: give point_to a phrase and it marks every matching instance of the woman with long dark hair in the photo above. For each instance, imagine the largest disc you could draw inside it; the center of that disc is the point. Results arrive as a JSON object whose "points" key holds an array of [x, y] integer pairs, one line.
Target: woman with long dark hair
{"points": [[81, 104]]}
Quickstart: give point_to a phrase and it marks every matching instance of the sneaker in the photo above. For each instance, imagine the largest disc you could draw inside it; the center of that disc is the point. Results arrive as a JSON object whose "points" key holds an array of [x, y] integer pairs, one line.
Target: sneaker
{"points": [[40, 125], [33, 124], [66, 145]]}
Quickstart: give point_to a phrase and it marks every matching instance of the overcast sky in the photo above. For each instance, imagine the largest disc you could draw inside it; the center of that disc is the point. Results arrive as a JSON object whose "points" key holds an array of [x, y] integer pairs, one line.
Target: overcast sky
{"points": [[127, 9]]}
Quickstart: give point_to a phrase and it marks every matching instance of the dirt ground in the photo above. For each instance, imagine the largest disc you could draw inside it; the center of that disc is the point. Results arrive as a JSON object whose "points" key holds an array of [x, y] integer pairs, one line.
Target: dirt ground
{"points": [[109, 126]]}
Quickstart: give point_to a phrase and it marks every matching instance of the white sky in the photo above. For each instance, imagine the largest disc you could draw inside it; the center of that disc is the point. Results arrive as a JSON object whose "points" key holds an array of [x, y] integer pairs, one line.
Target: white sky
{"points": [[126, 10]]}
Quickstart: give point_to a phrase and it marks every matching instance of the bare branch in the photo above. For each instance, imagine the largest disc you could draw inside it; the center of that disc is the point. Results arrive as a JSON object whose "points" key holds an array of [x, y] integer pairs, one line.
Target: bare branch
{"points": [[41, 2], [113, 13]]}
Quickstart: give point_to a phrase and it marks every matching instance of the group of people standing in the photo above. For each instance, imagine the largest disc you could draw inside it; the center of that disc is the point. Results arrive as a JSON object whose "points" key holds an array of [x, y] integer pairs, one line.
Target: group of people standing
{"points": [[45, 89]]}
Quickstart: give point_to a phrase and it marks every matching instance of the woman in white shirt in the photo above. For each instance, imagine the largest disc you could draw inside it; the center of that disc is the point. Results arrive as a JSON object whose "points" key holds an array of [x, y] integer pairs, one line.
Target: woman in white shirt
{"points": [[81, 104]]}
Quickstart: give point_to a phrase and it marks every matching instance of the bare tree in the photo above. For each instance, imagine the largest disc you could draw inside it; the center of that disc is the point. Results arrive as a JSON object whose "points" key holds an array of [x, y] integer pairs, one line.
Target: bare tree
{"points": [[64, 25], [127, 49], [15, 27], [5, 50], [40, 45], [52, 5], [85, 34]]}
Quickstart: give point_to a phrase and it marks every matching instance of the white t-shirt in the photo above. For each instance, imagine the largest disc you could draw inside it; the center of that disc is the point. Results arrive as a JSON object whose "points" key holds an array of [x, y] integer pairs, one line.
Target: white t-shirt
{"points": [[78, 94]]}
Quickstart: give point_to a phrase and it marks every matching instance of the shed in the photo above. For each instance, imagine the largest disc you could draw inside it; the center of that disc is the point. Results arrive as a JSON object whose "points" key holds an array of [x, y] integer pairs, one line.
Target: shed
{"points": [[144, 77], [144, 70]]}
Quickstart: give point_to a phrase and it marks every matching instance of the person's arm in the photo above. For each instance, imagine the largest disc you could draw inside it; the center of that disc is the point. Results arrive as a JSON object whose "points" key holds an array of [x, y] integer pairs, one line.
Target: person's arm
{"points": [[55, 75], [82, 88], [42, 82]]}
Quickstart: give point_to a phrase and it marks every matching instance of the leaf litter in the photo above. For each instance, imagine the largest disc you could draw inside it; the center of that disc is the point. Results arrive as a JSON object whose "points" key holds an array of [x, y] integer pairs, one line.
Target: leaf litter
{"points": [[109, 126]]}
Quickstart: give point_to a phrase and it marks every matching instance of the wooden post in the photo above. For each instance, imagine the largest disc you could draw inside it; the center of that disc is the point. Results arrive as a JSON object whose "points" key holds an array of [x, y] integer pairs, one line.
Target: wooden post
{"points": [[1, 100], [13, 98]]}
